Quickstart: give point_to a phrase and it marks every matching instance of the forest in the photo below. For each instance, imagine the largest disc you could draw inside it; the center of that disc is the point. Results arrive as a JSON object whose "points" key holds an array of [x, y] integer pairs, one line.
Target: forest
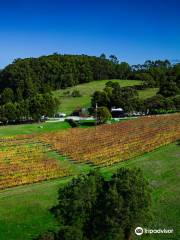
{"points": [[26, 84]]}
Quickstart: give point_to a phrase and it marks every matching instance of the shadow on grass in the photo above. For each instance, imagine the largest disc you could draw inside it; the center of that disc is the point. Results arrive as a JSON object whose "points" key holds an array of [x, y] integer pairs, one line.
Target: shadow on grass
{"points": [[87, 124]]}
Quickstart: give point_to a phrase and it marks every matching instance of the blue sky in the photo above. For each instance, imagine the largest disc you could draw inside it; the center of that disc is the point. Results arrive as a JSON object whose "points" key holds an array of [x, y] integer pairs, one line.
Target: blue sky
{"points": [[132, 30]]}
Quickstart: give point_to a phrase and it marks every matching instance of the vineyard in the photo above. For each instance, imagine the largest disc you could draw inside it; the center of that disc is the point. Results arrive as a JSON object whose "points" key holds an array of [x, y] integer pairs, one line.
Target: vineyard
{"points": [[28, 158], [108, 144], [25, 161]]}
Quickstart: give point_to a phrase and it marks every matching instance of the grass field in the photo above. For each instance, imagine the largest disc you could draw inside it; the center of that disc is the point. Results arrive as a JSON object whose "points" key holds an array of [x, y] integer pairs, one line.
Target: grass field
{"points": [[147, 93], [12, 130], [161, 167], [68, 104], [24, 210]]}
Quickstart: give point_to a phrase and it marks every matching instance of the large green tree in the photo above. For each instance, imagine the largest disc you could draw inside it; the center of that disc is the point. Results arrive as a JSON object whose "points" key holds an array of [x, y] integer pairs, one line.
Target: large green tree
{"points": [[115, 96], [7, 96], [42, 104], [30, 75], [92, 208], [102, 115], [168, 89]]}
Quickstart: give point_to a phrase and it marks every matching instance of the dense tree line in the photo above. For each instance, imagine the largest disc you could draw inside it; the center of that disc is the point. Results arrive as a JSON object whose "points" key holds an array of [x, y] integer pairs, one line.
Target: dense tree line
{"points": [[166, 77], [25, 84], [113, 95], [30, 75], [24, 79], [156, 73], [92, 208], [41, 75], [116, 96], [32, 108]]}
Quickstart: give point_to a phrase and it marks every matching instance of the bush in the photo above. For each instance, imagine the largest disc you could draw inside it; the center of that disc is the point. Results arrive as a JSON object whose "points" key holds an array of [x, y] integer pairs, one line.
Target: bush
{"points": [[46, 236], [76, 93], [66, 93], [176, 101], [72, 123], [168, 89]]}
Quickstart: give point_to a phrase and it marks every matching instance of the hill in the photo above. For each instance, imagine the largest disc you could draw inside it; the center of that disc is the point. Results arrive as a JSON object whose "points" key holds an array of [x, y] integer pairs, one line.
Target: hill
{"points": [[24, 210], [26, 85], [33, 158], [13, 130], [32, 75], [69, 103]]}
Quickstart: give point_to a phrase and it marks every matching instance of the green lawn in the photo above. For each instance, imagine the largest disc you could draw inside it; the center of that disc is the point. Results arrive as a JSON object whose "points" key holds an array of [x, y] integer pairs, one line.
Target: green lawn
{"points": [[11, 130], [147, 93], [161, 167], [24, 210], [68, 104]]}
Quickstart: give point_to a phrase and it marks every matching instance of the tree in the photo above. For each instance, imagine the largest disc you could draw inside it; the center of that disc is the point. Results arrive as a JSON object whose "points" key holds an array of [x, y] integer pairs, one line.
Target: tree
{"points": [[158, 74], [42, 104], [100, 98], [168, 89], [7, 95], [102, 115], [176, 74], [115, 96], [147, 78], [123, 70], [154, 104], [50, 105], [93, 208], [124, 204], [113, 59], [123, 97], [176, 101], [25, 78], [19, 94], [46, 236], [10, 111], [30, 75], [103, 56]]}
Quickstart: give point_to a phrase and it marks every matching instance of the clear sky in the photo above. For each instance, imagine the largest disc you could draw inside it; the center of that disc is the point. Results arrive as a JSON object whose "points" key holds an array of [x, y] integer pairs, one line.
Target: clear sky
{"points": [[133, 30]]}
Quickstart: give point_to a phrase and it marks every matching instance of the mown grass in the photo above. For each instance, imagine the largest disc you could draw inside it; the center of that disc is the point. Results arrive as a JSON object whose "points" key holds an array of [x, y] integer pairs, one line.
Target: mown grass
{"points": [[24, 210], [161, 167], [12, 130], [147, 93]]}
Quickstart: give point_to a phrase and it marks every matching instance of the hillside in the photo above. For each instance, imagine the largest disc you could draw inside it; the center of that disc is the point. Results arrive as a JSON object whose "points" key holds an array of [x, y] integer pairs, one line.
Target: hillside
{"points": [[112, 143], [13, 130], [27, 84], [160, 167], [26, 159], [56, 71], [69, 103], [89, 120]]}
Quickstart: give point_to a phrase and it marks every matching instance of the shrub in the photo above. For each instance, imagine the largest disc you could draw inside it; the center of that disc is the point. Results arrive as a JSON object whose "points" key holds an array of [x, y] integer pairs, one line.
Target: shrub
{"points": [[72, 123], [76, 93]]}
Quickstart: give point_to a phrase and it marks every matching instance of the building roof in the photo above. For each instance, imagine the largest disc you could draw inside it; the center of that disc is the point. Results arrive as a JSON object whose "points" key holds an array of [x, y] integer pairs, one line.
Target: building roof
{"points": [[116, 109]]}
